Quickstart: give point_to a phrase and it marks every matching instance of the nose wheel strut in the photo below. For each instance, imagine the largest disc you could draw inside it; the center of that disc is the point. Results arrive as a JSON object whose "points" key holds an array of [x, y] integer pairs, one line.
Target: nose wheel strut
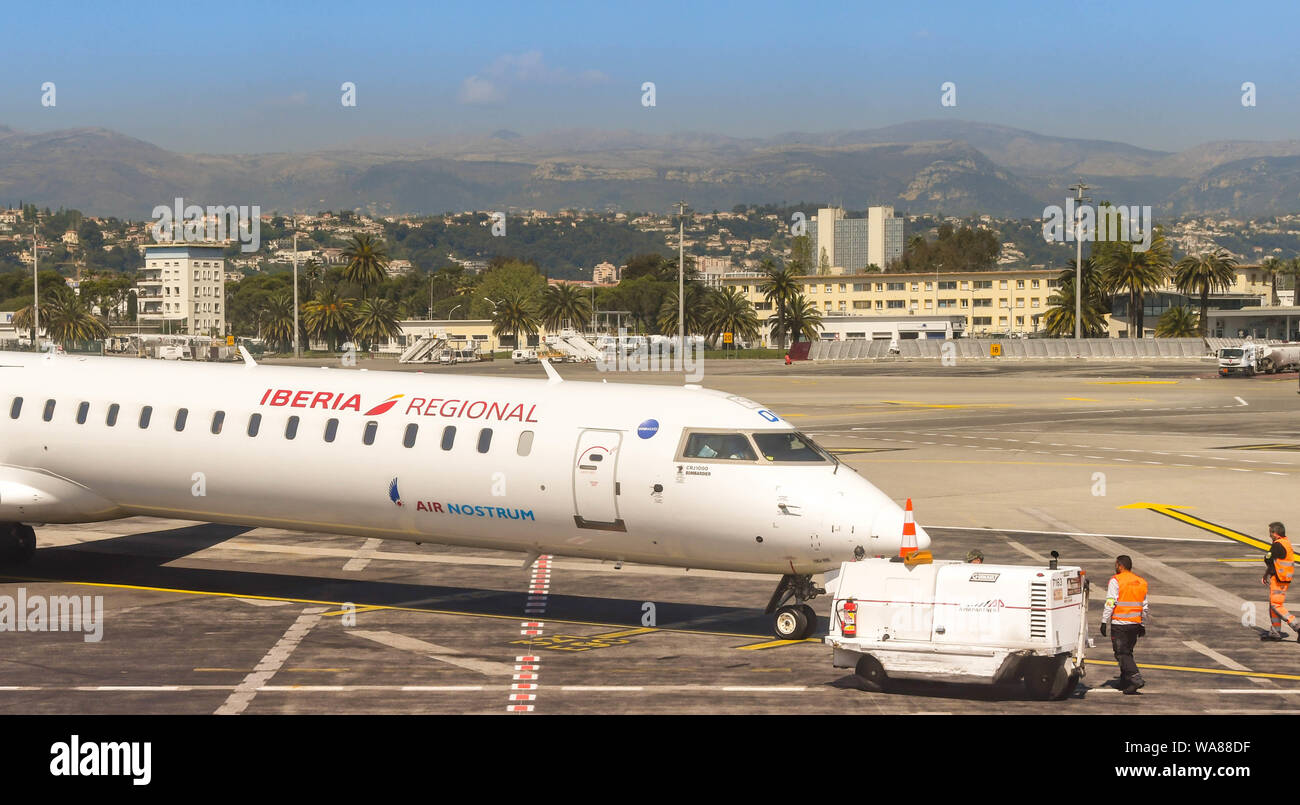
{"points": [[797, 620]]}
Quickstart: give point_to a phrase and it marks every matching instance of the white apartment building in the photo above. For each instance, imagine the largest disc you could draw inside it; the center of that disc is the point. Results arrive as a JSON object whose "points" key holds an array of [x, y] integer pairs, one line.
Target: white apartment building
{"points": [[184, 283], [849, 245]]}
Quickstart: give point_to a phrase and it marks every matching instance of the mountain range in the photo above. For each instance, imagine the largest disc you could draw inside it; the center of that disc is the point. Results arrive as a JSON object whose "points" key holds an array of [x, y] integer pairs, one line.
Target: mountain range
{"points": [[949, 167]]}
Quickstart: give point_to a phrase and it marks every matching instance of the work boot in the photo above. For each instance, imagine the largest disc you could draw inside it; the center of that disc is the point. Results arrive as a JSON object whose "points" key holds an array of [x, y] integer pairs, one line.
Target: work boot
{"points": [[1131, 690], [1272, 634]]}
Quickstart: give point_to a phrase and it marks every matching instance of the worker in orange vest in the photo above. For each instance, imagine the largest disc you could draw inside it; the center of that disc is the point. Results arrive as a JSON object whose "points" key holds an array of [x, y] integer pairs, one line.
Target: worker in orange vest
{"points": [[1126, 614], [1279, 568]]}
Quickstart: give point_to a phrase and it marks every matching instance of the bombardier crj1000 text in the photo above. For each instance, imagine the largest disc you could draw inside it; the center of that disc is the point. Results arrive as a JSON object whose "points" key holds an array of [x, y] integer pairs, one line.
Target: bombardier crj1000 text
{"points": [[664, 475]]}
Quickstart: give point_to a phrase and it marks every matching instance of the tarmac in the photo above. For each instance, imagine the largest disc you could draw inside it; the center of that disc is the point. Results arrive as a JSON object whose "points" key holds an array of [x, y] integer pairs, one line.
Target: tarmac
{"points": [[1164, 461]]}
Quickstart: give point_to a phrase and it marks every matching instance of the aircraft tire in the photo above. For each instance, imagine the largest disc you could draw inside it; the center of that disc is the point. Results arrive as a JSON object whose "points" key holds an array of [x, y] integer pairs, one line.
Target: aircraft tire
{"points": [[810, 615], [789, 623]]}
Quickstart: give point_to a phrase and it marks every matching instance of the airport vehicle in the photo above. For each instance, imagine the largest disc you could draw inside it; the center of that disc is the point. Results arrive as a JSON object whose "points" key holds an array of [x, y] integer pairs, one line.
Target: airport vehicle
{"points": [[679, 476], [960, 622], [524, 356], [1250, 358]]}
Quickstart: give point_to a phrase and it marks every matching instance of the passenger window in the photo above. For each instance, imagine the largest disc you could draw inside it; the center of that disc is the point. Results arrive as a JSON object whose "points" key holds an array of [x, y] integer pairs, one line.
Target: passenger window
{"points": [[83, 411], [371, 428], [408, 439], [16, 408], [218, 419], [49, 410], [727, 446], [145, 414], [789, 446], [111, 419], [448, 437], [525, 443], [181, 415], [484, 440], [331, 430], [254, 424], [291, 428]]}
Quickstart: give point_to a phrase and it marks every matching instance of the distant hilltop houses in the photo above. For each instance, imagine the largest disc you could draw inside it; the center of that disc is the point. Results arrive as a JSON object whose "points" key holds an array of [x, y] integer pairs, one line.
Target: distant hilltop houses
{"points": [[829, 240]]}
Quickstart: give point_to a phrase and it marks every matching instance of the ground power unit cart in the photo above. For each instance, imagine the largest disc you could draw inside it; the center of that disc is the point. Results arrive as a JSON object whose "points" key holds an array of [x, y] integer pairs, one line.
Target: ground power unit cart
{"points": [[960, 622]]}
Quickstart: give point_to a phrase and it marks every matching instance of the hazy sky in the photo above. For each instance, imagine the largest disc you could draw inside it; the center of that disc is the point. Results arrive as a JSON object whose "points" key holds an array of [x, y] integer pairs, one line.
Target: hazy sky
{"points": [[243, 77]]}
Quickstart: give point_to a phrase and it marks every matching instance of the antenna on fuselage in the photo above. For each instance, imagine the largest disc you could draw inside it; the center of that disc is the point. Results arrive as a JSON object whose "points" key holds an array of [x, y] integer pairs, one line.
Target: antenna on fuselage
{"points": [[552, 376]]}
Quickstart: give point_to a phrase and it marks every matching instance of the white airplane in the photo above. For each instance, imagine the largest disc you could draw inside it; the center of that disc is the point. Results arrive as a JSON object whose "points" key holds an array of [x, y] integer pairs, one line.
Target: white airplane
{"points": [[679, 476]]}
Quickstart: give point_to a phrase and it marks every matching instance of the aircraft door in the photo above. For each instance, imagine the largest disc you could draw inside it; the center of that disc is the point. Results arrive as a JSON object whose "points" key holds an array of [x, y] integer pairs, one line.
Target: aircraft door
{"points": [[595, 480]]}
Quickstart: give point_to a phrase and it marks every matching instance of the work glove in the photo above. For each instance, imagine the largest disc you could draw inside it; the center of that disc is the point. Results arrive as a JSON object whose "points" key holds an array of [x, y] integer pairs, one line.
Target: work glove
{"points": [[1103, 630], [1142, 631]]}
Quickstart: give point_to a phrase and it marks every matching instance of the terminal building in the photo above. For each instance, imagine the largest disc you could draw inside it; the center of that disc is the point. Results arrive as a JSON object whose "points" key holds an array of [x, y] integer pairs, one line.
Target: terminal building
{"points": [[972, 303], [1008, 303], [182, 287]]}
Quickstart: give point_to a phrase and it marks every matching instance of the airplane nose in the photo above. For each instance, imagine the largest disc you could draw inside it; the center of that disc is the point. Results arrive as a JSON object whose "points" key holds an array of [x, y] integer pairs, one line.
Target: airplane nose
{"points": [[922, 539]]}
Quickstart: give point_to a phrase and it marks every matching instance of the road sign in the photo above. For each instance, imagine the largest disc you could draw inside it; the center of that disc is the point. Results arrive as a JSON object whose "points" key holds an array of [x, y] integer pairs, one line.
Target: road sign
{"points": [[995, 350], [728, 338]]}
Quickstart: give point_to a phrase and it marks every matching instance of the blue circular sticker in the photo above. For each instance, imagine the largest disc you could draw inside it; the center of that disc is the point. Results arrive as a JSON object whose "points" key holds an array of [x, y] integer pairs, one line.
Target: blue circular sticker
{"points": [[769, 416], [648, 428]]}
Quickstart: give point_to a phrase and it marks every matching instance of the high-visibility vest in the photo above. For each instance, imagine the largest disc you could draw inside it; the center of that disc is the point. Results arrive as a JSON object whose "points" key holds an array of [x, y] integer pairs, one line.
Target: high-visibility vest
{"points": [[1132, 594], [1284, 568]]}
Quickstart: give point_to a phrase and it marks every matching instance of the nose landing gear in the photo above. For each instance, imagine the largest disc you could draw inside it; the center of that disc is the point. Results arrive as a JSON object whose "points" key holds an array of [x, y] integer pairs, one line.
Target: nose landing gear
{"points": [[793, 621], [17, 543]]}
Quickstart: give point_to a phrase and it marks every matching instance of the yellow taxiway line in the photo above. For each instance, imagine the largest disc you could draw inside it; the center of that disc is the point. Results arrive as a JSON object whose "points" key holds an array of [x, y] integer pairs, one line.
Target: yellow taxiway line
{"points": [[1196, 522]]}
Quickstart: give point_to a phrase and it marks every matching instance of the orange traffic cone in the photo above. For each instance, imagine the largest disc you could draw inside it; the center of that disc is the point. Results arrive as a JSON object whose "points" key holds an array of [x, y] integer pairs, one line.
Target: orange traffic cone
{"points": [[909, 532]]}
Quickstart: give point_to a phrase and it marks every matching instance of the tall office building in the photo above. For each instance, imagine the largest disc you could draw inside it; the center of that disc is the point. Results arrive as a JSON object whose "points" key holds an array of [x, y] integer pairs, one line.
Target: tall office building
{"points": [[849, 245], [184, 283]]}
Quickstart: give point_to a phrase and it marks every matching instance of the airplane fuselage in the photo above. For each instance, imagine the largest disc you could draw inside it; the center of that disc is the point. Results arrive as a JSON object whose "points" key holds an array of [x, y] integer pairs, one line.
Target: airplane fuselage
{"points": [[614, 471]]}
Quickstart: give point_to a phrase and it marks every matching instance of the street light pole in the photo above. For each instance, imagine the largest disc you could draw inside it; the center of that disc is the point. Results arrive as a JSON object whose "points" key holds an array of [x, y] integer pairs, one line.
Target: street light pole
{"points": [[297, 349], [1080, 198], [36, 293], [681, 276]]}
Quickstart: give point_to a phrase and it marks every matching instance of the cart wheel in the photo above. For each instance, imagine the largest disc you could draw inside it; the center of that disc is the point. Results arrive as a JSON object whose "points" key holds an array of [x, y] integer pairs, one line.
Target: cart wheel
{"points": [[811, 615], [789, 623], [871, 673], [1047, 678]]}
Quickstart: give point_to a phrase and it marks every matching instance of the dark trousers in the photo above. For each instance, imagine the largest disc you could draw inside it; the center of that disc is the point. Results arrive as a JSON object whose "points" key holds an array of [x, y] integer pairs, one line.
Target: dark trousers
{"points": [[1123, 637]]}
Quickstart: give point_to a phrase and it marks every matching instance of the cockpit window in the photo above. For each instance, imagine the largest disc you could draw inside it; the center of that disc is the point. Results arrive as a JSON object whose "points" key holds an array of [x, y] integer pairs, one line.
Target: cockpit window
{"points": [[727, 446], [789, 446]]}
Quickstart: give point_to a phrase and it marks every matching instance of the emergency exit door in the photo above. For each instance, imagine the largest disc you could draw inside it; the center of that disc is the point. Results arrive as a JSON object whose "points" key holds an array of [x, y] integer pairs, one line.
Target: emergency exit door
{"points": [[595, 480]]}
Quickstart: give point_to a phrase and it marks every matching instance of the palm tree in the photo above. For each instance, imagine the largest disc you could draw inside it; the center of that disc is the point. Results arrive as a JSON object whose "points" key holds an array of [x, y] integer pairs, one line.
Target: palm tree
{"points": [[778, 287], [730, 312], [1178, 322], [276, 319], [1202, 273], [367, 262], [512, 316], [1059, 319], [376, 320], [330, 316], [564, 303], [67, 319], [802, 319], [311, 271], [1291, 268], [1131, 272], [23, 320], [697, 308]]}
